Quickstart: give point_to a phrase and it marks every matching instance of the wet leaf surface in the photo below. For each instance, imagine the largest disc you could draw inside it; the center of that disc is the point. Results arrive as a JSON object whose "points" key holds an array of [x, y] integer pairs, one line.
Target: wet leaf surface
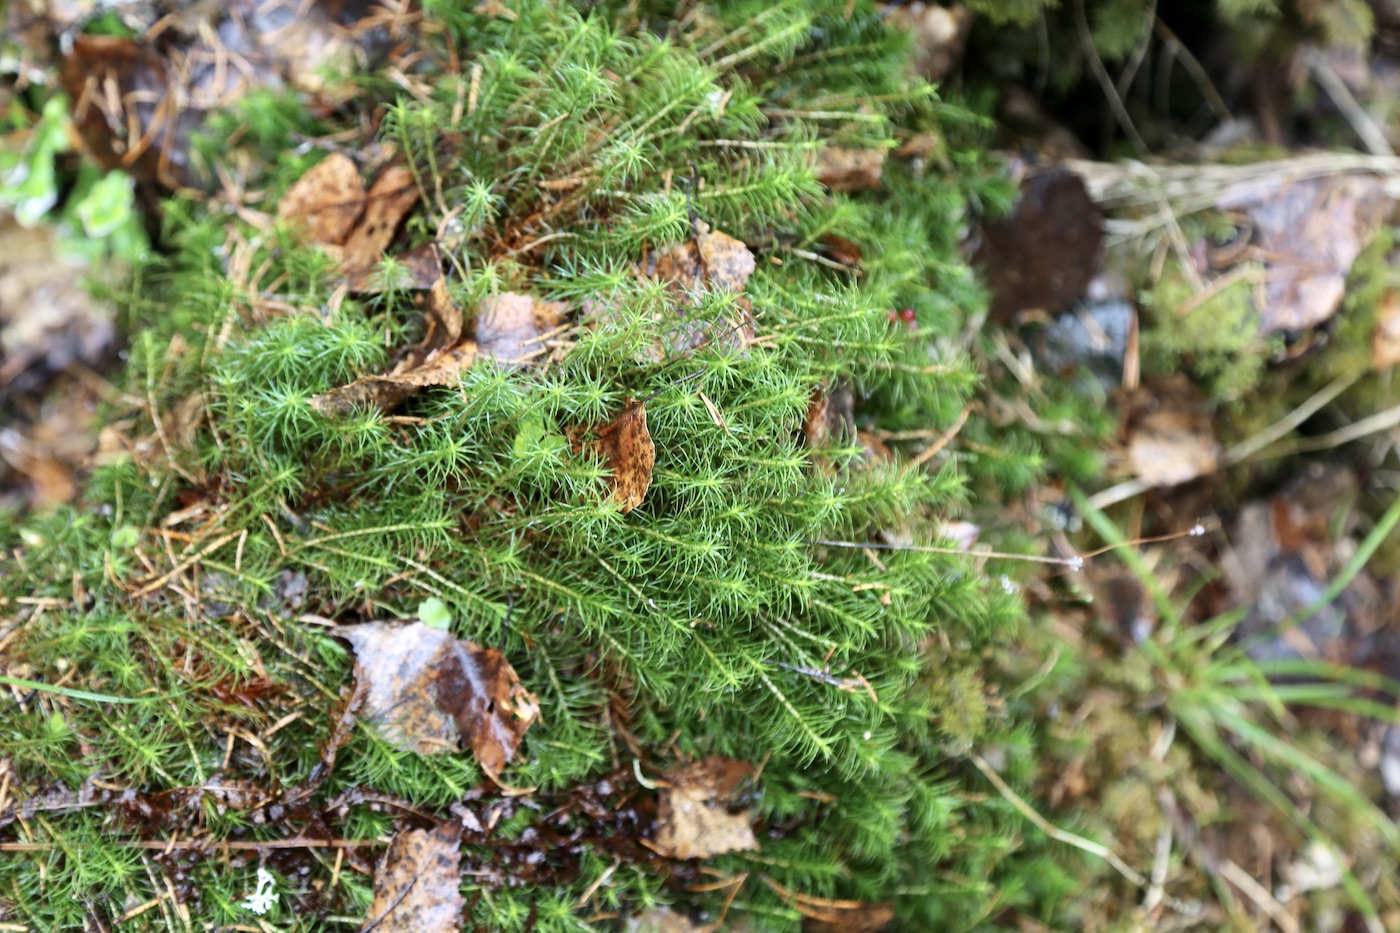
{"points": [[429, 690], [697, 817], [626, 445], [416, 889]]}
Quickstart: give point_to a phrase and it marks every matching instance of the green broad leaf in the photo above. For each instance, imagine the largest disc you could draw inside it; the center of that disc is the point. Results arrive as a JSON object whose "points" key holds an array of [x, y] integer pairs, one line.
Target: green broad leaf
{"points": [[434, 613]]}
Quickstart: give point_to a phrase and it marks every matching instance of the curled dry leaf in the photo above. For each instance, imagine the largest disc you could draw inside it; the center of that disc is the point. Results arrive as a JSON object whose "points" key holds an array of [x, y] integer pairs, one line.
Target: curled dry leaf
{"points": [[626, 444], [429, 690], [1310, 231], [843, 169], [694, 819], [443, 317], [1169, 434], [326, 200], [388, 201], [442, 368], [509, 326], [417, 888]]}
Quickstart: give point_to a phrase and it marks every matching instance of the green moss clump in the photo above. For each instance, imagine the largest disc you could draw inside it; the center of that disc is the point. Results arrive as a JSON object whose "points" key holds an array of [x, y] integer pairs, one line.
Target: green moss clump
{"points": [[1216, 339], [711, 620]]}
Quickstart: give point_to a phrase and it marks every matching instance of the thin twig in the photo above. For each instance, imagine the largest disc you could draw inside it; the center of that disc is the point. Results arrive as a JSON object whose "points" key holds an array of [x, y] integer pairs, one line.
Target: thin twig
{"points": [[1053, 831], [933, 449], [1372, 136], [1115, 103]]}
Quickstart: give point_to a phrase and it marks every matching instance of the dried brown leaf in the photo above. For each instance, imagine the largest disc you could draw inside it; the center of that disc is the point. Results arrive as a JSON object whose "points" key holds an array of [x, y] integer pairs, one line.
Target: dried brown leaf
{"points": [[417, 888], [842, 169], [1310, 231], [830, 416], [662, 920], [626, 444], [443, 368], [1170, 439], [716, 260], [389, 200], [694, 818], [47, 318], [444, 318], [416, 270], [845, 917], [429, 691], [710, 260], [509, 326], [326, 200]]}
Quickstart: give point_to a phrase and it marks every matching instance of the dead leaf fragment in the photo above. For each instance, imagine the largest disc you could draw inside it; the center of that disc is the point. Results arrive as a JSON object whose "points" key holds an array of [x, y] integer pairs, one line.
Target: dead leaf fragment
{"points": [[509, 326], [326, 200], [388, 201], [1169, 434], [417, 886], [1309, 231], [428, 691], [47, 317], [940, 35], [662, 920], [843, 169], [418, 269], [845, 916], [1385, 334], [444, 318], [710, 260], [694, 819], [388, 391], [716, 260], [626, 444]]}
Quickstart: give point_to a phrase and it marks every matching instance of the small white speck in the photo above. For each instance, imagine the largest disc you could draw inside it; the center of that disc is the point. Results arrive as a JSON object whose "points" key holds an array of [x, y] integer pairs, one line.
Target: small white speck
{"points": [[868, 734], [1007, 586], [1076, 564], [261, 900], [1197, 530]]}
